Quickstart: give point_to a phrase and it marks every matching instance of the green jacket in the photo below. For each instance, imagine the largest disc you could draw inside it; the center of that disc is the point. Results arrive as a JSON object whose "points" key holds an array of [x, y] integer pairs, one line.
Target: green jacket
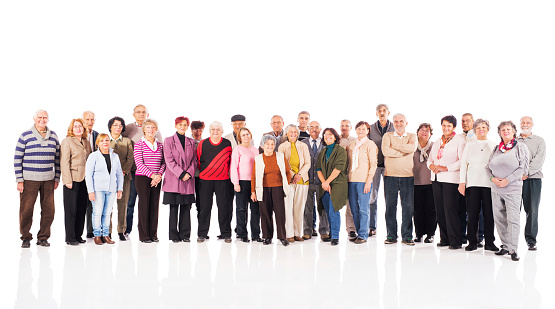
{"points": [[339, 191]]}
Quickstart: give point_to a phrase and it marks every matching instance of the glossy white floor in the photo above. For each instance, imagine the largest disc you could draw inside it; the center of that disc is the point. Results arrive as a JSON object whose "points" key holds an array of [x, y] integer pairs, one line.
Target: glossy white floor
{"points": [[311, 274]]}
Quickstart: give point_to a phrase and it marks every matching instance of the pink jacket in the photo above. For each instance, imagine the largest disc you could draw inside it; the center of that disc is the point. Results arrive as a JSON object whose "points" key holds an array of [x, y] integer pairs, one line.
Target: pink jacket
{"points": [[179, 160]]}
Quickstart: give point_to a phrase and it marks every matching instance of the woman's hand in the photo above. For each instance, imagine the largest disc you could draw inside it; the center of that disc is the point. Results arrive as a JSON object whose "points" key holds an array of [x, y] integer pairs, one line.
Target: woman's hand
{"points": [[367, 186], [69, 186], [437, 168], [91, 196], [326, 186], [296, 179], [253, 197], [119, 195], [462, 187], [186, 177], [502, 183], [237, 188]]}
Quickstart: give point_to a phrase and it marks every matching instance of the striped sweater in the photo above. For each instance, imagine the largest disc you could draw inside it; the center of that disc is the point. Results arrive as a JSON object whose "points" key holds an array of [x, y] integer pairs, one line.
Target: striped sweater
{"points": [[149, 162], [37, 158], [214, 159]]}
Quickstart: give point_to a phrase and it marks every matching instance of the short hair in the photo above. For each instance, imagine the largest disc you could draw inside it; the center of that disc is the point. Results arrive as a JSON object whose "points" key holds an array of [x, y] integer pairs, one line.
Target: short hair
{"points": [[349, 121], [197, 124], [267, 137], [332, 130], [239, 134], [425, 125], [451, 119], [70, 128], [303, 112], [180, 119], [100, 137], [382, 105], [111, 122], [314, 121], [149, 121], [140, 105], [364, 123], [532, 120], [216, 124], [480, 121], [276, 116], [40, 111], [468, 114], [289, 127], [400, 115], [89, 112], [506, 123]]}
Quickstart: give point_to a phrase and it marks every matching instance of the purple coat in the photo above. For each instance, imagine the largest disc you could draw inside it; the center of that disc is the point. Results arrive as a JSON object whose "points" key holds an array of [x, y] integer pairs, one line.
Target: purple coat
{"points": [[179, 160]]}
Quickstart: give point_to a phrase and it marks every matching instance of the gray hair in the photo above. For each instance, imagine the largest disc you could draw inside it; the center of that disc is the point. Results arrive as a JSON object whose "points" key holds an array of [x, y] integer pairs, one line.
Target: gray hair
{"points": [[140, 105], [506, 123], [38, 112], [150, 121], [286, 131], [266, 138], [89, 112], [382, 105], [347, 120], [479, 122], [532, 120], [276, 116], [400, 115], [216, 124]]}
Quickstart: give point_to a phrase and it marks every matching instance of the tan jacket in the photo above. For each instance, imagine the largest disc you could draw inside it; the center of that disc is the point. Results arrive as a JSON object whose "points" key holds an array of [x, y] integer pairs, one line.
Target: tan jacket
{"points": [[398, 153], [304, 156], [73, 157], [367, 161], [124, 149]]}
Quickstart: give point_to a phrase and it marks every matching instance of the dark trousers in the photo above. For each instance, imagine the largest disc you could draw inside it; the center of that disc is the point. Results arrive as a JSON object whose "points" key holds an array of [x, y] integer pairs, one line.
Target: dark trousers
{"points": [[197, 194], [27, 199], [149, 199], [224, 200], [273, 201], [131, 204], [424, 211], [395, 187], [180, 221], [75, 206], [531, 194], [478, 199], [88, 217], [446, 199], [462, 215], [242, 201]]}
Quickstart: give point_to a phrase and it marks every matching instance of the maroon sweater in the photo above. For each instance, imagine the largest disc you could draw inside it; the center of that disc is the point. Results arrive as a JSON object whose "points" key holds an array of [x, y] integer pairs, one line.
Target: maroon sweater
{"points": [[214, 159]]}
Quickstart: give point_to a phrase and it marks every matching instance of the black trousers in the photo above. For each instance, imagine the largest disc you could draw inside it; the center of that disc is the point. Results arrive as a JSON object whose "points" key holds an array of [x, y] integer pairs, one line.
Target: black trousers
{"points": [[424, 211], [197, 194], [149, 204], [75, 205], [180, 221], [462, 215], [531, 195], [273, 201], [224, 200], [242, 201], [446, 199], [479, 199]]}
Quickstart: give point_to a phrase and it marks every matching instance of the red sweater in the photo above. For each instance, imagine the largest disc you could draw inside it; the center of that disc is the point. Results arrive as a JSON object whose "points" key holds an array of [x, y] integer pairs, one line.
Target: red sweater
{"points": [[214, 159]]}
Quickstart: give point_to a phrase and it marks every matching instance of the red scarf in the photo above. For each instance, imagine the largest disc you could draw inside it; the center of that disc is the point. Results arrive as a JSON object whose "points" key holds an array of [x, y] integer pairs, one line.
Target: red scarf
{"points": [[443, 142], [506, 147]]}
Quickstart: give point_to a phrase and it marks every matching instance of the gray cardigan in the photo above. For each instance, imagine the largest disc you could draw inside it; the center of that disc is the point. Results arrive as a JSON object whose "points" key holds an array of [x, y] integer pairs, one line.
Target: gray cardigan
{"points": [[376, 137], [510, 165]]}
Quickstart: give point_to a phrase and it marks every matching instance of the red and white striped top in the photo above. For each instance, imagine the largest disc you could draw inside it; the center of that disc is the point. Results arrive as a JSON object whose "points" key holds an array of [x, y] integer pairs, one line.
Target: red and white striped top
{"points": [[148, 161]]}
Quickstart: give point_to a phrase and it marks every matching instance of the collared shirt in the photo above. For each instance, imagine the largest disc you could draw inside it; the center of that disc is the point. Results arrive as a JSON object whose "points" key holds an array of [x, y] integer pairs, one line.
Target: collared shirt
{"points": [[318, 141], [120, 138], [399, 136], [149, 144]]}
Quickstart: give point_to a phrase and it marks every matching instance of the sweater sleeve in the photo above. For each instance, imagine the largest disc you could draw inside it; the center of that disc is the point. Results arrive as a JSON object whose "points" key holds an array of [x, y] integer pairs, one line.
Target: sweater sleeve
{"points": [[142, 169], [306, 156], [387, 150], [89, 173], [18, 158], [536, 162], [119, 173], [163, 163], [372, 160], [455, 166], [464, 164], [234, 165], [57, 170], [410, 146], [523, 161]]}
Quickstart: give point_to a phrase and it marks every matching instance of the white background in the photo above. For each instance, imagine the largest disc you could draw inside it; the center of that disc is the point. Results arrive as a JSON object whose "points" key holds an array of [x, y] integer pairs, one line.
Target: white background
{"points": [[209, 60]]}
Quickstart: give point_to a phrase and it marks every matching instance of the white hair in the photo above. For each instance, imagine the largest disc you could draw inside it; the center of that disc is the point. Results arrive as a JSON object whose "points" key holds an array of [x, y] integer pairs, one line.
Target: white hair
{"points": [[286, 131], [89, 112], [216, 124], [140, 105], [38, 112], [531, 120], [400, 115]]}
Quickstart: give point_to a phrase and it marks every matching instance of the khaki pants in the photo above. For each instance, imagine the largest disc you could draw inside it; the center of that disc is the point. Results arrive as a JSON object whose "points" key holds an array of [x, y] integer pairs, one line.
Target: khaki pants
{"points": [[294, 210], [27, 204], [122, 206]]}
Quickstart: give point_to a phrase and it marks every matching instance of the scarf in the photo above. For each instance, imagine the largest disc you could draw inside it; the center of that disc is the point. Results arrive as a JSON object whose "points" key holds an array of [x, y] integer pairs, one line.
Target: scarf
{"points": [[506, 147], [424, 151], [359, 143], [444, 141]]}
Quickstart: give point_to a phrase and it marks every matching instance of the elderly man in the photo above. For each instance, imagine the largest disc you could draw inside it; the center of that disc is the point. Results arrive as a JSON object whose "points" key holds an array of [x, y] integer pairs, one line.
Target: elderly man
{"points": [[134, 132], [377, 131], [277, 132], [214, 159], [315, 145], [346, 139], [303, 119], [90, 119], [532, 184], [398, 148], [467, 123], [37, 170], [197, 127], [237, 122]]}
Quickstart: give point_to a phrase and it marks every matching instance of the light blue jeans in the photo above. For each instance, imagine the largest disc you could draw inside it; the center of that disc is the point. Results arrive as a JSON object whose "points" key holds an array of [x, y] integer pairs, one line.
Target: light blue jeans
{"points": [[333, 216], [102, 209], [360, 208]]}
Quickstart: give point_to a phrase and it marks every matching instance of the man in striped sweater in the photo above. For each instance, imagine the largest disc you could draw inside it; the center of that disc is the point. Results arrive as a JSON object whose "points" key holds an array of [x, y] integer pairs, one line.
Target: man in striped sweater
{"points": [[37, 170]]}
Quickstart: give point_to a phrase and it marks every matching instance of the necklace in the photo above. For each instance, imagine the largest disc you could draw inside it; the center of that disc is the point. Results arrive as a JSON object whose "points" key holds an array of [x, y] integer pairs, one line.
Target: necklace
{"points": [[485, 145]]}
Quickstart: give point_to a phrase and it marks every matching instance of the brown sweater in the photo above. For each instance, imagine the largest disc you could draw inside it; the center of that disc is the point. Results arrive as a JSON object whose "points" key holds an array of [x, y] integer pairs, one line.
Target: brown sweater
{"points": [[272, 175]]}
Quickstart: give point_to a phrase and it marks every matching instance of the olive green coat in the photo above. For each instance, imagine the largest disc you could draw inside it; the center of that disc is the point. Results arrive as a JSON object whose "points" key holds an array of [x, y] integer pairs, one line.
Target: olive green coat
{"points": [[339, 191]]}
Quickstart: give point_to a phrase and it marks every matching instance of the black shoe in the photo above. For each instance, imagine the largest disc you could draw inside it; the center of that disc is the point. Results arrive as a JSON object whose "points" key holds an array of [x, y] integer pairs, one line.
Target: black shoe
{"points": [[335, 242], [418, 239], [480, 244], [43, 243], [26, 244], [267, 241], [314, 233], [502, 252], [284, 242], [464, 240], [201, 239], [371, 233], [122, 237], [532, 247], [186, 239], [455, 247], [207, 237], [258, 239], [110, 235], [220, 237], [90, 235], [491, 247], [352, 236], [72, 243], [81, 240], [471, 248], [429, 239], [228, 239], [244, 239], [146, 241], [176, 240], [155, 239], [514, 257], [442, 244]]}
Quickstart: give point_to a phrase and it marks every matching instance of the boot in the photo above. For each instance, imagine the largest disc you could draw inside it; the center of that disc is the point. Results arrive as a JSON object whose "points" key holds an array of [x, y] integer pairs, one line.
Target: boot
{"points": [[97, 240], [108, 240]]}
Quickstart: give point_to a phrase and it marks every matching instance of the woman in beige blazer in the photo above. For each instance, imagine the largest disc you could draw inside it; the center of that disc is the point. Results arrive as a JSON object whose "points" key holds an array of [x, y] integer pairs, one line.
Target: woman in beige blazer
{"points": [[297, 155], [74, 152]]}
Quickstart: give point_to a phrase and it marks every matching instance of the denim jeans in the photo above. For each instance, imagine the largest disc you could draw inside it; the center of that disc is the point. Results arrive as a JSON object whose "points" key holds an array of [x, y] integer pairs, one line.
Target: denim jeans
{"points": [[374, 197], [242, 200], [403, 187], [131, 204], [333, 216], [102, 209], [360, 208]]}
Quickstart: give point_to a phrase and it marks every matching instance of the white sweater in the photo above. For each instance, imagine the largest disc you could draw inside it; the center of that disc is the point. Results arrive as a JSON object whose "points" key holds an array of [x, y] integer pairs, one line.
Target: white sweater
{"points": [[451, 159], [474, 160]]}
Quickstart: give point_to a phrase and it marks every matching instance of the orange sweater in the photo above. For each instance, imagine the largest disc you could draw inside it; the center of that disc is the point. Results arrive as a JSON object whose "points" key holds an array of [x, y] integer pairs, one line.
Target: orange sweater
{"points": [[272, 175]]}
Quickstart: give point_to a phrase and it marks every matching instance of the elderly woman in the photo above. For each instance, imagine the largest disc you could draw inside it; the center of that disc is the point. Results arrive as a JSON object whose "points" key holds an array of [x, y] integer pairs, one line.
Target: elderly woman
{"points": [[445, 162], [331, 170], [104, 179], [297, 155], [476, 186], [179, 184], [242, 162], [123, 147], [507, 164], [362, 156], [424, 209], [73, 157], [270, 186], [149, 159]]}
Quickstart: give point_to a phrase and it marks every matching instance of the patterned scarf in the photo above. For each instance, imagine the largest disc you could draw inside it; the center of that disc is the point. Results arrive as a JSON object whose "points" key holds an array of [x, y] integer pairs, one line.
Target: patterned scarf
{"points": [[359, 143], [444, 141], [424, 151], [506, 147]]}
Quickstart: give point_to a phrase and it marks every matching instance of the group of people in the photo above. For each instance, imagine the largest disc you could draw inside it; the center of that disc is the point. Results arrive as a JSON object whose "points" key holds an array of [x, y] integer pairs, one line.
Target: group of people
{"points": [[300, 173]]}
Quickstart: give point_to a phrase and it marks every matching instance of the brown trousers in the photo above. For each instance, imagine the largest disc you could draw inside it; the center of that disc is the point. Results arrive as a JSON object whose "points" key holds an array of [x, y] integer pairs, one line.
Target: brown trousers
{"points": [[149, 203], [273, 201], [122, 206], [27, 204]]}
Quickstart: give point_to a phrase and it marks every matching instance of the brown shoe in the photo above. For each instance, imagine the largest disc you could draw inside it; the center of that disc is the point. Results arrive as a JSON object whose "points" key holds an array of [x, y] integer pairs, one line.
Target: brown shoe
{"points": [[97, 240], [307, 236], [108, 240], [292, 239], [325, 238], [297, 238]]}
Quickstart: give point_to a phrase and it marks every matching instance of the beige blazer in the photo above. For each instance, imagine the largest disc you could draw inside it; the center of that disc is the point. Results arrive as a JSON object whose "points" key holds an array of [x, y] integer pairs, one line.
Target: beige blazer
{"points": [[73, 157], [304, 156]]}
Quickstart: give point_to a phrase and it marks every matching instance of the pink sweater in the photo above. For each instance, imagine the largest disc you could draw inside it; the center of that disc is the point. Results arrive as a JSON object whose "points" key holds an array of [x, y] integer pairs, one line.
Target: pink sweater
{"points": [[149, 162], [242, 162]]}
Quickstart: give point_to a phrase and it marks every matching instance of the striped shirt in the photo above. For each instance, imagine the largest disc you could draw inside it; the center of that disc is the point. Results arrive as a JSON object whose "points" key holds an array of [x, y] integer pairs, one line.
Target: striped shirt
{"points": [[149, 161], [214, 159], [37, 158]]}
